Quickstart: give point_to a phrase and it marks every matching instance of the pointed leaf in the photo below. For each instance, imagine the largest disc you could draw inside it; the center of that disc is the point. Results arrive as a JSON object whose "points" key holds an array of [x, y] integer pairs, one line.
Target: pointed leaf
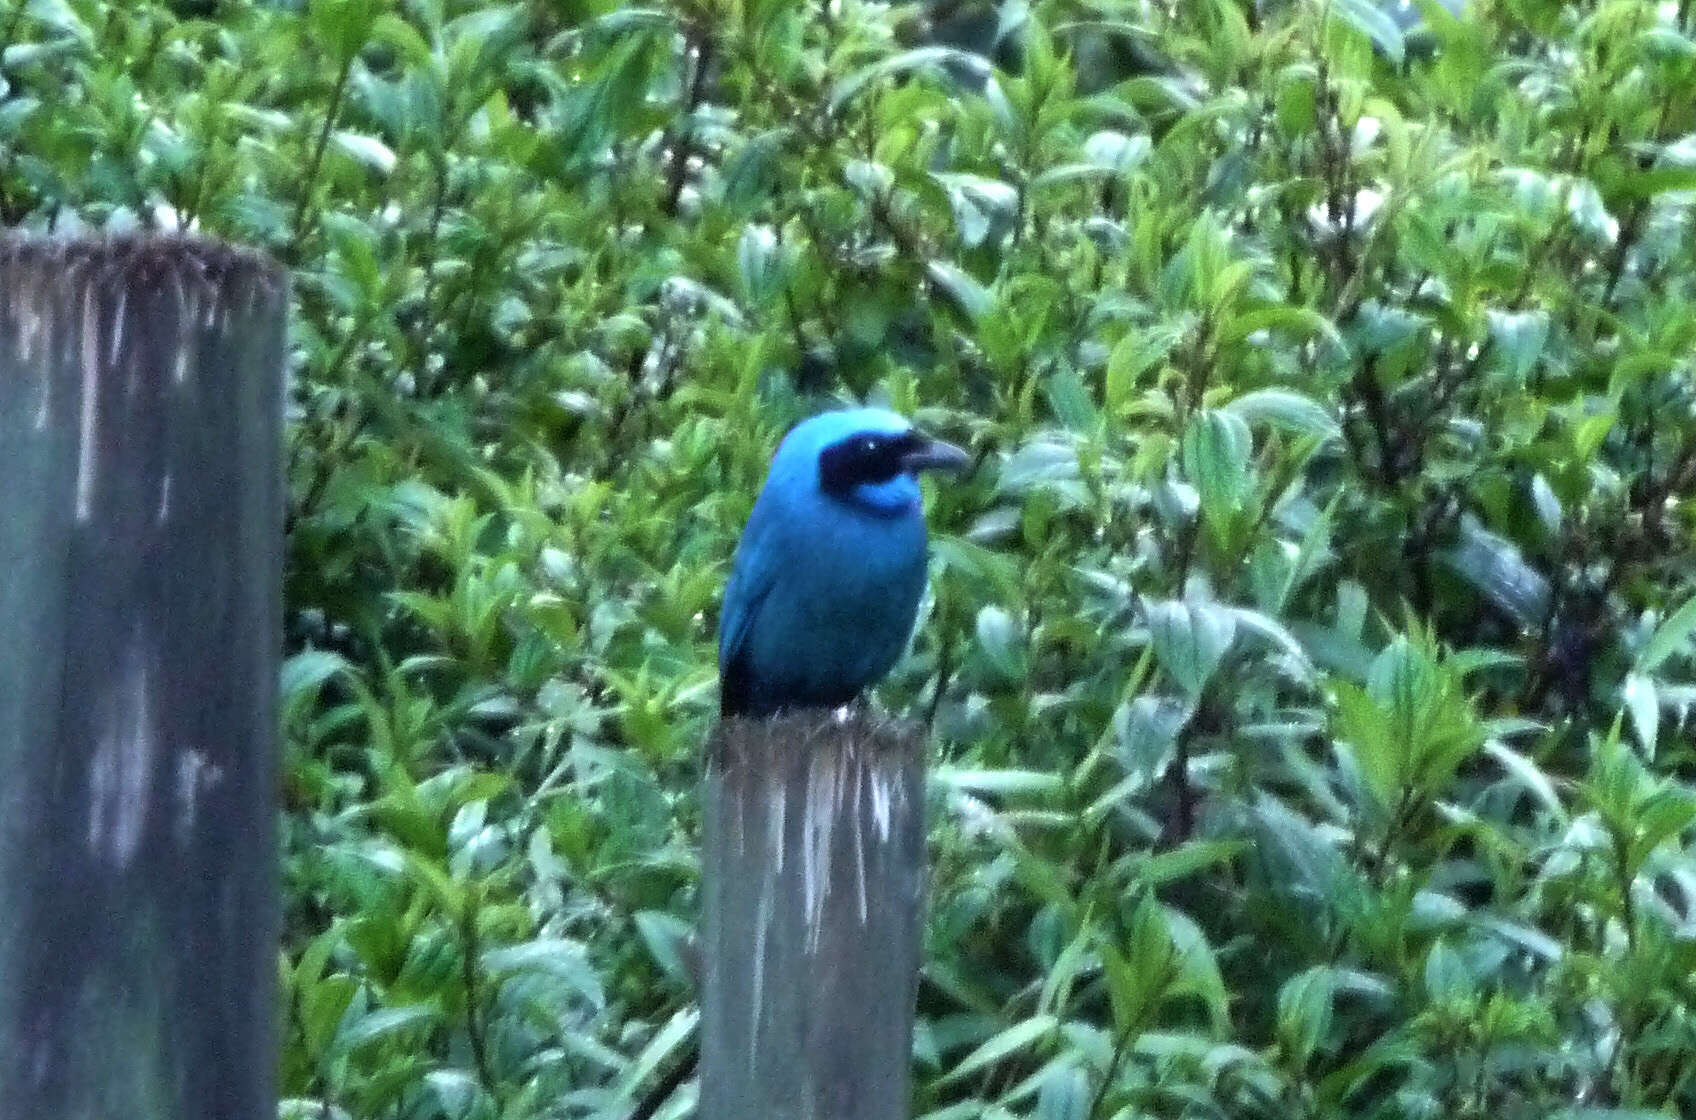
{"points": [[1669, 637], [1286, 409], [1190, 639], [1217, 446]]}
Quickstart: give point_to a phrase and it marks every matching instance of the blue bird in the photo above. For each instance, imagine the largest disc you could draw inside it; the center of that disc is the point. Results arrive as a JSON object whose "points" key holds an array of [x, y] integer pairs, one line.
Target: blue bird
{"points": [[826, 582]]}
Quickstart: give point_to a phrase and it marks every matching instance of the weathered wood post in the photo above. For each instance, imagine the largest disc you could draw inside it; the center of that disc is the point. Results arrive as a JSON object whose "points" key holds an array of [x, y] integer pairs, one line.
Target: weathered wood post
{"points": [[813, 883], [140, 554]]}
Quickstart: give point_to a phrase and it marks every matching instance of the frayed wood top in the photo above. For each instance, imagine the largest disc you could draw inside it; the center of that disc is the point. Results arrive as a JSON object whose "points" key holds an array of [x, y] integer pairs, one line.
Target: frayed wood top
{"points": [[769, 744], [137, 262]]}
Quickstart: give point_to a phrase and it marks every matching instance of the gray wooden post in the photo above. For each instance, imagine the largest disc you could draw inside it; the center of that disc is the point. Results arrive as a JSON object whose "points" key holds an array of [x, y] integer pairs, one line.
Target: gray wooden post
{"points": [[813, 883], [140, 555]]}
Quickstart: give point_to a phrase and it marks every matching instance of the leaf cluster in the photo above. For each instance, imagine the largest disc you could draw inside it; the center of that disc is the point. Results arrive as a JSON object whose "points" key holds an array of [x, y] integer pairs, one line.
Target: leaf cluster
{"points": [[1309, 656]]}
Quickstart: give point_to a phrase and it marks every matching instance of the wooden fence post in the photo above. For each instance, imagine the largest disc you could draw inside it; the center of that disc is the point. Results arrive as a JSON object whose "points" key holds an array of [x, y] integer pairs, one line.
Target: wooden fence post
{"points": [[813, 883], [140, 556]]}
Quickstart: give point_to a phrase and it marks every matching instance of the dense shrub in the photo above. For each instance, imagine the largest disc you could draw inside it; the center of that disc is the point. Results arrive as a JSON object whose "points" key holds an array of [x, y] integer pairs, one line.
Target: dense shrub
{"points": [[1309, 653]]}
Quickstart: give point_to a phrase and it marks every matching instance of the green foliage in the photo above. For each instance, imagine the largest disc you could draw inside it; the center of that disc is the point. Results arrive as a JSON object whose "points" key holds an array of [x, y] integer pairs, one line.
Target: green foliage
{"points": [[1310, 654]]}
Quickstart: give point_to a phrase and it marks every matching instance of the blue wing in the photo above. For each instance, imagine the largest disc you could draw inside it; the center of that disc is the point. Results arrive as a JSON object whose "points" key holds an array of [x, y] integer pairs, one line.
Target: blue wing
{"points": [[752, 575]]}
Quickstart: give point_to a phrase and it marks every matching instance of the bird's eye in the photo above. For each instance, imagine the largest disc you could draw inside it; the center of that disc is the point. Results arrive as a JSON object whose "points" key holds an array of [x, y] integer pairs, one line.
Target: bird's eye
{"points": [[865, 458]]}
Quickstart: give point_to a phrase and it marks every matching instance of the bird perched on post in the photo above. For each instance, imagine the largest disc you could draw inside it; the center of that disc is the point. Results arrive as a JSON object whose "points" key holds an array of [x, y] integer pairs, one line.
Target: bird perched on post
{"points": [[828, 574]]}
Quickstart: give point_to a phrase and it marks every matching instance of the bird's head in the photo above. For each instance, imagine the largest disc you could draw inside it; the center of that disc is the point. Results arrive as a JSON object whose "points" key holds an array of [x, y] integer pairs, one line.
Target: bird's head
{"points": [[867, 458]]}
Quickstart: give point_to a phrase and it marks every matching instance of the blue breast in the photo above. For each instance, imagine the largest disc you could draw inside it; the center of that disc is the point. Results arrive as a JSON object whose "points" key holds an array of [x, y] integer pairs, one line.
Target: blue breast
{"points": [[838, 616]]}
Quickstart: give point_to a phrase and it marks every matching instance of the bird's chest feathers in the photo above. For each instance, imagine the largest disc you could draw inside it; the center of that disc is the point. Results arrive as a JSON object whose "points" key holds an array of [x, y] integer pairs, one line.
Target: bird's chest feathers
{"points": [[873, 547], [855, 564]]}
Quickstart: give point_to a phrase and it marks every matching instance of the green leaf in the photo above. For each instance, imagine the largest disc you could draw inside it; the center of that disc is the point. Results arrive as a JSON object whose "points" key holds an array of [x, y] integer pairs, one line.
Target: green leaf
{"points": [[1272, 633], [344, 26], [1001, 782], [385, 1023], [1664, 815], [749, 172], [1376, 750], [1190, 639], [1497, 568], [393, 30], [1518, 338], [1002, 644], [1658, 180], [1199, 973], [1412, 725], [932, 58], [1145, 969], [667, 938], [997, 574], [1446, 974], [1366, 17], [1065, 1095], [1669, 638], [1132, 358], [1286, 409], [1529, 776], [1116, 152], [1644, 707], [1589, 213], [1547, 504], [1304, 1011], [660, 1050], [1217, 446], [323, 1006], [1303, 321], [969, 297], [1187, 859], [1070, 399], [368, 151], [421, 869], [759, 265], [596, 110], [1015, 1039], [308, 671], [1147, 730], [980, 205]]}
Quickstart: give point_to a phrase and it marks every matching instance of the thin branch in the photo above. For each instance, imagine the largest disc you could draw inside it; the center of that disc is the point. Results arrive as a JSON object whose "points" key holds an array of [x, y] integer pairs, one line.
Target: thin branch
{"points": [[315, 164], [683, 140]]}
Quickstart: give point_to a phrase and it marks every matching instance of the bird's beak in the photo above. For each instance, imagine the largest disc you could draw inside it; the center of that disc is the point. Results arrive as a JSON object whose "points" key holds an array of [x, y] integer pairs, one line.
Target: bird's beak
{"points": [[935, 455]]}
